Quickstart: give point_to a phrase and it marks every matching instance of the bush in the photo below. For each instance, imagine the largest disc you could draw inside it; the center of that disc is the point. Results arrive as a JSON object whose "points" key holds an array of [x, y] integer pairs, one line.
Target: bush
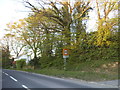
{"points": [[35, 62], [20, 63]]}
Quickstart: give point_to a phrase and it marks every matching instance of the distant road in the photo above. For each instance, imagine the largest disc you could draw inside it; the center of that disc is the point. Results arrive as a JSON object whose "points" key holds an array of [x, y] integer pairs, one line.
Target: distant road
{"points": [[29, 81]]}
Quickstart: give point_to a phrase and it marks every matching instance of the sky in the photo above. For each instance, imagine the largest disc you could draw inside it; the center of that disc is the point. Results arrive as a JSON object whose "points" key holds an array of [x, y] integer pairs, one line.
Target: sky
{"points": [[13, 10], [10, 11]]}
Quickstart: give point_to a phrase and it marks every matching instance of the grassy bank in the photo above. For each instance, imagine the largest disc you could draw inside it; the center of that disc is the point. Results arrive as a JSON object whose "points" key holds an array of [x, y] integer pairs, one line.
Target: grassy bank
{"points": [[89, 71]]}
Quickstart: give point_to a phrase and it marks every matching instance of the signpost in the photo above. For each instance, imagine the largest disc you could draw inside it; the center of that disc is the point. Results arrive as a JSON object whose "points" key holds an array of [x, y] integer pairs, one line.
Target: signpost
{"points": [[65, 56]]}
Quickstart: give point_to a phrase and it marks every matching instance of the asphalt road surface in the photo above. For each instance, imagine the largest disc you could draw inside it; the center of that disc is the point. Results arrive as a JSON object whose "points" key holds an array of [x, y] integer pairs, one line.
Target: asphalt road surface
{"points": [[25, 80]]}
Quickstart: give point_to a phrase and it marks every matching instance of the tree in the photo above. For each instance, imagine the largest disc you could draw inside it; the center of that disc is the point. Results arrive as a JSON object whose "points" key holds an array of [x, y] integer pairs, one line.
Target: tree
{"points": [[16, 43], [64, 26], [64, 16], [5, 48], [32, 37], [105, 23]]}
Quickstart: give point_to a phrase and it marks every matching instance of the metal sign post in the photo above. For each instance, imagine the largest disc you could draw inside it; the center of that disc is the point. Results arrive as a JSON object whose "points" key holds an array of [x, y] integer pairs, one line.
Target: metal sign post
{"points": [[65, 56], [64, 63]]}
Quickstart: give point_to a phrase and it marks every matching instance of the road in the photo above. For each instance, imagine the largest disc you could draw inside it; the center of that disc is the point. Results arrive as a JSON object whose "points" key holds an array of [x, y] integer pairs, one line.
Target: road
{"points": [[29, 81]]}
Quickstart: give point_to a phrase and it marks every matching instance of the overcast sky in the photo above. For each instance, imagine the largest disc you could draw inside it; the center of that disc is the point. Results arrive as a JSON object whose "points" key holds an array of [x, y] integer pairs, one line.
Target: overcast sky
{"points": [[10, 11]]}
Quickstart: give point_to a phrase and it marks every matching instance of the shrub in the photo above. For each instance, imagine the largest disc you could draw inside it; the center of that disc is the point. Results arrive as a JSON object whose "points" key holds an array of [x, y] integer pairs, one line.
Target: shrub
{"points": [[21, 63]]}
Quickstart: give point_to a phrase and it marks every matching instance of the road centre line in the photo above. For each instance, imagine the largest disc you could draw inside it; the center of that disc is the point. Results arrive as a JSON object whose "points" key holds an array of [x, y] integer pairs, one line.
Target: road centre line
{"points": [[6, 74], [19, 82], [16, 81], [13, 78], [10, 77], [3, 72], [25, 87]]}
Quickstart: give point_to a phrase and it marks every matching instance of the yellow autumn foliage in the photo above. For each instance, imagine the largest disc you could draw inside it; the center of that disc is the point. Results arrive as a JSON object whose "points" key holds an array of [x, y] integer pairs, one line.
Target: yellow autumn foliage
{"points": [[103, 33]]}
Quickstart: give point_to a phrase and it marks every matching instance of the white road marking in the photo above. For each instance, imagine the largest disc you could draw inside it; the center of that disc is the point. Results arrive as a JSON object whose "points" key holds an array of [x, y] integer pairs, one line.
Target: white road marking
{"points": [[6, 74], [93, 82], [13, 78], [16, 81], [25, 87]]}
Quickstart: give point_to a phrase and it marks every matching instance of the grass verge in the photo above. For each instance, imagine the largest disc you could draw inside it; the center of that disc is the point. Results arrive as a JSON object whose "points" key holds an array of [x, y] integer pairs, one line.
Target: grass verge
{"points": [[86, 71]]}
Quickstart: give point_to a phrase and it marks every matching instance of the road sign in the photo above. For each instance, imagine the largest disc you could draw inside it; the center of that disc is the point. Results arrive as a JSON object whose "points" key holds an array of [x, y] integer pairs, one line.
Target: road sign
{"points": [[65, 53]]}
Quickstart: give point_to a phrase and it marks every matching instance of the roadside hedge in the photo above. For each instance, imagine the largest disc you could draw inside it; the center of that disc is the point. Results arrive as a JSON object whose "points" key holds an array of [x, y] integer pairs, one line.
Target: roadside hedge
{"points": [[20, 63]]}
